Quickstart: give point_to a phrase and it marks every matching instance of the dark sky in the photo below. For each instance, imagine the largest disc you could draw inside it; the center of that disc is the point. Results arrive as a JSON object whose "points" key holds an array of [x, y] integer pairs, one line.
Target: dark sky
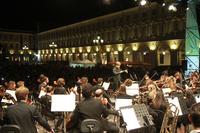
{"points": [[40, 15], [34, 15]]}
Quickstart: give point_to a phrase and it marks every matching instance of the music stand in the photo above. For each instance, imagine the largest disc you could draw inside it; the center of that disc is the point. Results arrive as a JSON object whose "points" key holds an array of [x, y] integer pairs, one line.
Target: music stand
{"points": [[137, 119], [58, 106], [179, 103], [166, 91], [106, 85], [133, 89], [122, 102], [12, 93]]}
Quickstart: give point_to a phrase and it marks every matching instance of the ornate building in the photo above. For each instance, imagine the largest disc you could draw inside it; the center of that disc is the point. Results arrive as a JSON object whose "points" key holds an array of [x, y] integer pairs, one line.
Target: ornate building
{"points": [[150, 35], [16, 46]]}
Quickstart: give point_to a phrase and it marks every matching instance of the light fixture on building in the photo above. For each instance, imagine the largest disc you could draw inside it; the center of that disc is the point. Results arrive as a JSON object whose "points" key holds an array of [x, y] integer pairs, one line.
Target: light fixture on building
{"points": [[144, 53], [143, 2], [163, 4], [120, 47], [108, 47], [88, 49], [172, 7], [30, 52], [61, 50], [66, 50], [98, 40], [47, 51], [80, 49], [152, 46], [174, 45], [21, 52], [11, 51], [56, 51], [96, 48], [25, 47], [53, 45], [135, 46], [73, 50], [51, 51], [163, 52], [116, 52]]}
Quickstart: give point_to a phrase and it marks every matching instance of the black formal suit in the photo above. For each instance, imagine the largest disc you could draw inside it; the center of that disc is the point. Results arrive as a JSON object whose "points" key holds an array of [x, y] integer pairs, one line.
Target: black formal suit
{"points": [[116, 78], [24, 116], [91, 109]]}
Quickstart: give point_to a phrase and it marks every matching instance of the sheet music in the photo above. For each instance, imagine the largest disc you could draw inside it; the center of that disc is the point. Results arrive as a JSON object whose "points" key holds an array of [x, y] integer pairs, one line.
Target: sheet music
{"points": [[130, 118], [106, 85], [42, 93], [63, 103], [12, 93], [133, 89], [166, 91], [197, 98], [7, 101], [122, 103], [175, 101]]}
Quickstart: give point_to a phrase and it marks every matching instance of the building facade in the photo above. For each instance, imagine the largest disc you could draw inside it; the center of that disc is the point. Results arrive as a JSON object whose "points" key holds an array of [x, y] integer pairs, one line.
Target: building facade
{"points": [[16, 46], [150, 34]]}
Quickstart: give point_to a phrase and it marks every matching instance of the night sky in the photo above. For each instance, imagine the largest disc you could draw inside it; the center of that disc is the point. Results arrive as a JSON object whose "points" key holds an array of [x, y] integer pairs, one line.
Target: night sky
{"points": [[41, 15]]}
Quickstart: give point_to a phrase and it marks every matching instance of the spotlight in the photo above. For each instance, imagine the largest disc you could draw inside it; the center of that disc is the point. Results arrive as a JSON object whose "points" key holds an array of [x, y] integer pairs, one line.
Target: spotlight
{"points": [[143, 2], [172, 7]]}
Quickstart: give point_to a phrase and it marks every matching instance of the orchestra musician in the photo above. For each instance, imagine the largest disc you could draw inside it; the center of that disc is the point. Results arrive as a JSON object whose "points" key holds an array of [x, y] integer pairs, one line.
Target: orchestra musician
{"points": [[59, 89], [90, 108], [24, 115], [194, 118], [43, 82], [46, 103]]}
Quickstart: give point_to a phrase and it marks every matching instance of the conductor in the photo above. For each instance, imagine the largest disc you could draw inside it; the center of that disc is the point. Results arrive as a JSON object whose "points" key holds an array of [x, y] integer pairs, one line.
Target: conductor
{"points": [[117, 75]]}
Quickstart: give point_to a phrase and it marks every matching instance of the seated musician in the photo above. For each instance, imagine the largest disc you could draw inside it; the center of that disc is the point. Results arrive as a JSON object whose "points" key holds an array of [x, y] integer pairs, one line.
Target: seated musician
{"points": [[90, 108], [59, 89], [24, 115], [99, 95], [11, 85], [194, 118], [157, 108], [46, 103], [121, 92], [20, 84]]}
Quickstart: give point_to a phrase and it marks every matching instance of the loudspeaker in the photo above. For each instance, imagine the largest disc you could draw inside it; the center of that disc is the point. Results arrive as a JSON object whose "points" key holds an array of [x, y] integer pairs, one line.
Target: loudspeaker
{"points": [[184, 64]]}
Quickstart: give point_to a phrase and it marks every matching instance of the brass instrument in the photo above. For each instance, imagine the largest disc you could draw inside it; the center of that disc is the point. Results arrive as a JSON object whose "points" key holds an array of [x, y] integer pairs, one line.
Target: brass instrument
{"points": [[170, 120]]}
